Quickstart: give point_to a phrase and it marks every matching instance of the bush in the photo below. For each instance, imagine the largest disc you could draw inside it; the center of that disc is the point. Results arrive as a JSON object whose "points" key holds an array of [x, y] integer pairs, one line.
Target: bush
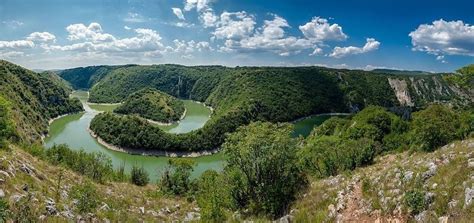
{"points": [[212, 196], [373, 122], [96, 166], [7, 126], [435, 126], [4, 210], [139, 176], [87, 197], [175, 179], [24, 210], [332, 126], [415, 200], [262, 168], [330, 155]]}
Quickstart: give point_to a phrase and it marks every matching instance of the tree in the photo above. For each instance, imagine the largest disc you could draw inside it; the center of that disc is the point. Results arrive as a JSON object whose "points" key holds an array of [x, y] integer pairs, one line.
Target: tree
{"points": [[434, 127], [175, 179], [261, 168], [139, 176], [212, 196], [7, 127], [87, 197]]}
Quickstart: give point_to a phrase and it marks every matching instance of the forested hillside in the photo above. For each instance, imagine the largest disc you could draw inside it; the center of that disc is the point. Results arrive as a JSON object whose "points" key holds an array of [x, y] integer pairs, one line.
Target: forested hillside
{"points": [[152, 104], [34, 99], [244, 94]]}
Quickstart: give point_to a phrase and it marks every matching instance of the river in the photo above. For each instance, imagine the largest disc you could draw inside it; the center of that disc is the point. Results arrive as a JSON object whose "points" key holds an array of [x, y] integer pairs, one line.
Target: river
{"points": [[72, 130]]}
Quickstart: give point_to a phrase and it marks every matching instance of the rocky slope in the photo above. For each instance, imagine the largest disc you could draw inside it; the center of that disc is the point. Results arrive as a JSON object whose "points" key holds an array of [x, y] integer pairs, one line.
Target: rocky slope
{"points": [[40, 191], [404, 187]]}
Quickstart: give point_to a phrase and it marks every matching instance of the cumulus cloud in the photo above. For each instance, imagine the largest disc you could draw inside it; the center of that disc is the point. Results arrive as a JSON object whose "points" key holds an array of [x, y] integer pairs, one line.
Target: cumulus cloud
{"points": [[93, 39], [208, 18], [443, 37], [93, 33], [319, 30], [234, 25], [370, 45], [16, 44], [41, 37], [270, 37], [178, 13], [200, 5]]}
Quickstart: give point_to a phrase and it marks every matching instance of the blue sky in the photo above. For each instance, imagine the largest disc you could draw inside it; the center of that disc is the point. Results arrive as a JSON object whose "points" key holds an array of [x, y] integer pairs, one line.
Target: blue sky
{"points": [[414, 35]]}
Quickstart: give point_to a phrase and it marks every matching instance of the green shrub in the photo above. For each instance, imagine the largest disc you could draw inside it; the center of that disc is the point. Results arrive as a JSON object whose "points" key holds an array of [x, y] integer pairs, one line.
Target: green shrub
{"points": [[86, 196], [262, 168], [139, 176], [212, 196], [175, 179], [24, 210], [96, 166], [415, 200], [373, 122], [434, 126], [330, 155], [332, 126], [4, 210]]}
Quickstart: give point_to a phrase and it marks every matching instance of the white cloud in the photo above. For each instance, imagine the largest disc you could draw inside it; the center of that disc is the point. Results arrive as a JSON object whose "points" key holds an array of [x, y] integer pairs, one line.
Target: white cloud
{"points": [[234, 25], [319, 30], [316, 51], [200, 5], [134, 18], [95, 40], [370, 45], [16, 44], [208, 18], [442, 37], [270, 37], [41, 37], [127, 28], [93, 33], [178, 13]]}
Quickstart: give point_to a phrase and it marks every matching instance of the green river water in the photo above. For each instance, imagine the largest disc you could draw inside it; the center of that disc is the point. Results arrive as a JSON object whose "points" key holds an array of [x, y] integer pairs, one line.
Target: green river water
{"points": [[72, 130]]}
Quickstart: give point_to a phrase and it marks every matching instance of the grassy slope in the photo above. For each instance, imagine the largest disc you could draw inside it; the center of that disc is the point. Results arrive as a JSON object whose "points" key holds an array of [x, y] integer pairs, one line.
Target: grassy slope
{"points": [[123, 199], [376, 192]]}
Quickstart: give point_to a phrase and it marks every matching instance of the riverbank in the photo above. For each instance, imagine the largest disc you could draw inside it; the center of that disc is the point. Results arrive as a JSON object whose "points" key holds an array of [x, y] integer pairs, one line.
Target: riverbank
{"points": [[322, 114], [168, 123], [151, 153], [43, 136]]}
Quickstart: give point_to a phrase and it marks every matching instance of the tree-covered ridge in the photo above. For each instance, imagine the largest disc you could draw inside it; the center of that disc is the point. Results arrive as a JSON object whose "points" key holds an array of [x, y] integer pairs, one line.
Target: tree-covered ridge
{"points": [[182, 82], [86, 77], [244, 94], [35, 98], [464, 78], [152, 104]]}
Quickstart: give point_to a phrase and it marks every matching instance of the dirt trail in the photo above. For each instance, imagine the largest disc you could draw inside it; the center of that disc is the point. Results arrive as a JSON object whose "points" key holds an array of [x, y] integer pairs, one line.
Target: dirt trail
{"points": [[356, 209]]}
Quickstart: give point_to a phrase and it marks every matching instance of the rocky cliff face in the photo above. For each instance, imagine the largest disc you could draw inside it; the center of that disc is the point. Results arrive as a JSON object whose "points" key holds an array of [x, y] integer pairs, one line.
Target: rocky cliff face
{"points": [[400, 88], [421, 90]]}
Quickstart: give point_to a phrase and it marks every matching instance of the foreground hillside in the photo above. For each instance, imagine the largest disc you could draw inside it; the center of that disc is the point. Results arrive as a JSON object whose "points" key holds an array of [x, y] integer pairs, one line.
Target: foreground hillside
{"points": [[405, 187], [439, 186]]}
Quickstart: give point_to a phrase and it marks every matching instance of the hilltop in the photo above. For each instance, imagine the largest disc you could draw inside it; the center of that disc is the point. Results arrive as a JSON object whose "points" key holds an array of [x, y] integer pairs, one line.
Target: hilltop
{"points": [[154, 105]]}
